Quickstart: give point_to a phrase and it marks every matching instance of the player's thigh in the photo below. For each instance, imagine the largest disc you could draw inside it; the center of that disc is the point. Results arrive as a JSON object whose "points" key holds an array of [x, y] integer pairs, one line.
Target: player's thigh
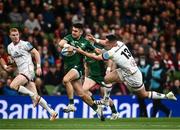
{"points": [[32, 87], [18, 80], [71, 75], [88, 83], [112, 77], [77, 85]]}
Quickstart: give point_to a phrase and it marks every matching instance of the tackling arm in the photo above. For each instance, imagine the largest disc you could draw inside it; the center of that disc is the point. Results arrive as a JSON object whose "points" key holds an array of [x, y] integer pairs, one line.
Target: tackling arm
{"points": [[99, 41], [96, 57]]}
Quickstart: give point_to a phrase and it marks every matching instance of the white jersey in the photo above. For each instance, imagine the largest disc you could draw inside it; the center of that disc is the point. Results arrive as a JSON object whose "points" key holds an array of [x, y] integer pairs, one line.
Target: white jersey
{"points": [[122, 57], [22, 57]]}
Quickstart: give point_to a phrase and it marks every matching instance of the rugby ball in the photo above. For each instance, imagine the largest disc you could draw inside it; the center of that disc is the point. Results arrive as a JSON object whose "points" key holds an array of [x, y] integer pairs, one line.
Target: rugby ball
{"points": [[65, 52]]}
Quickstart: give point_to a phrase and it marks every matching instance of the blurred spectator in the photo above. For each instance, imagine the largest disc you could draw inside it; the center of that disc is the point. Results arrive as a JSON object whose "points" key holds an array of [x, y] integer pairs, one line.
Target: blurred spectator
{"points": [[145, 69], [157, 84], [176, 87], [31, 23], [15, 16], [48, 17], [3, 16], [51, 77], [5, 89], [78, 18]]}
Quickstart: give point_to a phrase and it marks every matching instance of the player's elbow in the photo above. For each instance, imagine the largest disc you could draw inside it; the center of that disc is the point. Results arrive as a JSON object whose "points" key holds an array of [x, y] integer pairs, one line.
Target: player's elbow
{"points": [[99, 57]]}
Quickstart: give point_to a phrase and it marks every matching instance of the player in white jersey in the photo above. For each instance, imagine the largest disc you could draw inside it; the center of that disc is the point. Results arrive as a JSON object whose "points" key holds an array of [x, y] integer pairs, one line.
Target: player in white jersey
{"points": [[127, 70], [21, 53]]}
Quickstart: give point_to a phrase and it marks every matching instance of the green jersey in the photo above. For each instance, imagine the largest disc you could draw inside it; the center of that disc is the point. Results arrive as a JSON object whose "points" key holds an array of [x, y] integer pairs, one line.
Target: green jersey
{"points": [[76, 60], [96, 68]]}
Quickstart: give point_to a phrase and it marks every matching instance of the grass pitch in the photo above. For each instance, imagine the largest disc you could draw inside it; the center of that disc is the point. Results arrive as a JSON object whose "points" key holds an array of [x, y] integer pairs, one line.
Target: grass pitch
{"points": [[91, 124]]}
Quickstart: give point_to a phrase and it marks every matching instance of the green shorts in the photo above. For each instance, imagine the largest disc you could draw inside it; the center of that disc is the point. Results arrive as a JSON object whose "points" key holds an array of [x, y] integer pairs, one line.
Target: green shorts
{"points": [[98, 79], [78, 68]]}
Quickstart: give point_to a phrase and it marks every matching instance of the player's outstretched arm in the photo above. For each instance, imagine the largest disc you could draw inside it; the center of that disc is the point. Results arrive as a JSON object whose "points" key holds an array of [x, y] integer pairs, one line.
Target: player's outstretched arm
{"points": [[38, 61], [91, 55], [99, 41]]}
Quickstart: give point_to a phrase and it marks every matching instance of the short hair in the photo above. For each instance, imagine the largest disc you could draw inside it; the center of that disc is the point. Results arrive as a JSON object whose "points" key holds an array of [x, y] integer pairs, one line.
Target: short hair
{"points": [[13, 30], [111, 37], [78, 25]]}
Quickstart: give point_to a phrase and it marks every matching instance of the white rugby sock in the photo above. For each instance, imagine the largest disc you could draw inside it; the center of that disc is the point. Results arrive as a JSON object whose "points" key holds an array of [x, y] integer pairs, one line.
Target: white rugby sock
{"points": [[156, 95], [26, 91], [107, 92], [44, 104]]}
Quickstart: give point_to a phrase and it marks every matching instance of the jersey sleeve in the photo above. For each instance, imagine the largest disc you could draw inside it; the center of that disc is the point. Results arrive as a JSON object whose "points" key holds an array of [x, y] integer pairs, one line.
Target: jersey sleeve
{"points": [[67, 38], [28, 46], [107, 55], [89, 47]]}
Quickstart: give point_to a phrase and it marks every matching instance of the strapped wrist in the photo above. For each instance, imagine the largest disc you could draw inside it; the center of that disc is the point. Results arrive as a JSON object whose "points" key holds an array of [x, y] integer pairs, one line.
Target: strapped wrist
{"points": [[38, 65], [108, 69], [97, 40]]}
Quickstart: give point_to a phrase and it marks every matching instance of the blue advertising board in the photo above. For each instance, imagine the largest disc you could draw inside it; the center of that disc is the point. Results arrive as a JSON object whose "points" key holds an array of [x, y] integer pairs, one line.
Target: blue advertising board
{"points": [[20, 107]]}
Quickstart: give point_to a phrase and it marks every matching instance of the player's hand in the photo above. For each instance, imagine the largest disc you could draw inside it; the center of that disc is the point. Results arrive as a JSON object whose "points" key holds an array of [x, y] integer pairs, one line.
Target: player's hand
{"points": [[38, 71], [90, 37], [99, 51], [10, 60], [70, 48], [8, 68], [78, 49]]}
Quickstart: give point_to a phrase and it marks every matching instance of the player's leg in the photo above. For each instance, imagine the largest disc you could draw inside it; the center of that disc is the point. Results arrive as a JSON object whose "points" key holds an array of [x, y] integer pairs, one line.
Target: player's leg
{"points": [[115, 114], [68, 78], [33, 89], [109, 80], [17, 83], [112, 77], [31, 86], [87, 85], [135, 82], [77, 84]]}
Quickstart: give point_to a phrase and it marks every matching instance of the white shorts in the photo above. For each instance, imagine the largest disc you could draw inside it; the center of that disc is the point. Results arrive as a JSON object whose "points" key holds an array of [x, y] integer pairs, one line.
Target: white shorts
{"points": [[28, 72], [134, 81]]}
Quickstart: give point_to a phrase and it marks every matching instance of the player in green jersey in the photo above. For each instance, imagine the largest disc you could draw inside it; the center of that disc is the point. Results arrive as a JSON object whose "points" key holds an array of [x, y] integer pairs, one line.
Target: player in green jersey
{"points": [[73, 66], [94, 74]]}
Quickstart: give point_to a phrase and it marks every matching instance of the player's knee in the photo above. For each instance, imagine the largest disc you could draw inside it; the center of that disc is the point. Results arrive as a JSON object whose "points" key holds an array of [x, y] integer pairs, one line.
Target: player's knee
{"points": [[65, 80], [13, 86], [106, 80]]}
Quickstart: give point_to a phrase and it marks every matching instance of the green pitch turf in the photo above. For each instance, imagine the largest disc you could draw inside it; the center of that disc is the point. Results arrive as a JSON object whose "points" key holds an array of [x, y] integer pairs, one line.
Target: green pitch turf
{"points": [[91, 124]]}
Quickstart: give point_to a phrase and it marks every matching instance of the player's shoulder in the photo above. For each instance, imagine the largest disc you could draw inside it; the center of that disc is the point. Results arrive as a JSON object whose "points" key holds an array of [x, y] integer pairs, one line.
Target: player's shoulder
{"points": [[68, 37], [10, 45], [22, 42], [120, 43]]}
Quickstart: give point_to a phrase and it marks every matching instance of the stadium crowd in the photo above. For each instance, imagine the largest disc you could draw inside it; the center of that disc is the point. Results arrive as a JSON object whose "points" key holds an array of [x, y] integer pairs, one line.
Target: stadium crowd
{"points": [[146, 26]]}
